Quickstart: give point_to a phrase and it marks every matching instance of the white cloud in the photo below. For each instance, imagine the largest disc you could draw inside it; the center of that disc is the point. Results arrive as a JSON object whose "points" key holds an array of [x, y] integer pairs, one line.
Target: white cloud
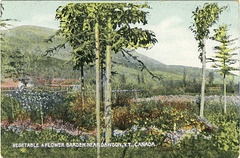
{"points": [[47, 20], [176, 44], [44, 20]]}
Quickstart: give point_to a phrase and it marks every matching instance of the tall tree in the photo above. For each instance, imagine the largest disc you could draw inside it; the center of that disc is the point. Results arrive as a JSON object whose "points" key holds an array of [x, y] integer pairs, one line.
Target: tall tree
{"points": [[184, 77], [15, 67], [204, 18], [4, 51], [138, 78], [143, 80], [115, 34], [123, 79], [210, 78], [97, 86], [239, 73], [223, 58], [79, 25], [121, 36]]}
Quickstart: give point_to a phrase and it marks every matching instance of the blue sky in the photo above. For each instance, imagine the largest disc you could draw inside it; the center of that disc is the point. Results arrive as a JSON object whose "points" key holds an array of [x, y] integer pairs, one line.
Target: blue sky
{"points": [[170, 20]]}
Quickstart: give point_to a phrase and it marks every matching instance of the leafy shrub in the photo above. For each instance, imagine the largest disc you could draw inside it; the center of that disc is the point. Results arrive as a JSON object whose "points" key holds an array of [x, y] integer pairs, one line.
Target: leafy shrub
{"points": [[122, 117], [82, 110], [122, 100], [194, 88], [162, 115], [10, 108]]}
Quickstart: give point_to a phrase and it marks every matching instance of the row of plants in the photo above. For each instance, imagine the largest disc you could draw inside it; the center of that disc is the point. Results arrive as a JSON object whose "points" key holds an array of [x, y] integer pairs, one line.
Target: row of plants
{"points": [[224, 142], [80, 110], [166, 116], [24, 103]]}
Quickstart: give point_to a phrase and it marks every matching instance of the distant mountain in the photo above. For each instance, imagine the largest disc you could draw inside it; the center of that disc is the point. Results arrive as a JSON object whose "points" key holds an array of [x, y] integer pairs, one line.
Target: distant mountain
{"points": [[30, 40], [169, 72]]}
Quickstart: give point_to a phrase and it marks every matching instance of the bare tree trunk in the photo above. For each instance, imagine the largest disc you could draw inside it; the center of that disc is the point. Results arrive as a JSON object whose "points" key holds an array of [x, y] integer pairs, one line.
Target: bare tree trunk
{"points": [[203, 78], [102, 83], [82, 87], [239, 71], [97, 87], [108, 103], [108, 96], [224, 93]]}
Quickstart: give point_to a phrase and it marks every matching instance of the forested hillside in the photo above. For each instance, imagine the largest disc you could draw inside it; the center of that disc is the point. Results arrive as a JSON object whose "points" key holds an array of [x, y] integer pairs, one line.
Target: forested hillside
{"points": [[127, 71]]}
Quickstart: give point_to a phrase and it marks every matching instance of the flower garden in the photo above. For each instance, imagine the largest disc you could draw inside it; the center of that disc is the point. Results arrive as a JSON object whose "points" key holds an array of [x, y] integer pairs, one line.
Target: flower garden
{"points": [[173, 126]]}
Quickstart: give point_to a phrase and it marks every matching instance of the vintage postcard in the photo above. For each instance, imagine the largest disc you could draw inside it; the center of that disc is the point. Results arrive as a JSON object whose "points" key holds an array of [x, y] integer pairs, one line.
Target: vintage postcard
{"points": [[120, 79]]}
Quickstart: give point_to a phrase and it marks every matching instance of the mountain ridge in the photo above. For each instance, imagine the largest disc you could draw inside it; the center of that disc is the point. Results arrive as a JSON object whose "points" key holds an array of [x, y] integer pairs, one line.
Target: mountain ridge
{"points": [[31, 39]]}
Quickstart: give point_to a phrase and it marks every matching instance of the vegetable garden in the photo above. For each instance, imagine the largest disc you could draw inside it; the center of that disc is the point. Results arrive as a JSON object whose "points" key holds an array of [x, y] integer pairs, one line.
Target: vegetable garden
{"points": [[173, 126], [176, 116]]}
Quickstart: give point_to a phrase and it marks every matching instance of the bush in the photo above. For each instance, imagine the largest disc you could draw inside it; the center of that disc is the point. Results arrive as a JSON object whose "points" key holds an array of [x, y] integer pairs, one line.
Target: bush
{"points": [[162, 115], [82, 111], [11, 108], [122, 100]]}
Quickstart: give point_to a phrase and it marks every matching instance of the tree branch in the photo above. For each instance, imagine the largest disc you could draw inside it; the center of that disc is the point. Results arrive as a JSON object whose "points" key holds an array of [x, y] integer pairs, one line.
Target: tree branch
{"points": [[142, 64]]}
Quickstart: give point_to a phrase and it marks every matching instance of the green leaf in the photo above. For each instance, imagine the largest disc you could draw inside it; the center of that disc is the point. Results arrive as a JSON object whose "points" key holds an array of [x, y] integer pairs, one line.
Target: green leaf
{"points": [[226, 147]]}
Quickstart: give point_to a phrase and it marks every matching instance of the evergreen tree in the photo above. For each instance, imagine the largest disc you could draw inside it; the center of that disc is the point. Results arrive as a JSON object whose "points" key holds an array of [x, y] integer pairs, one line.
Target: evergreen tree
{"points": [[123, 79], [138, 78], [15, 67], [143, 80], [210, 78], [184, 78], [223, 59]]}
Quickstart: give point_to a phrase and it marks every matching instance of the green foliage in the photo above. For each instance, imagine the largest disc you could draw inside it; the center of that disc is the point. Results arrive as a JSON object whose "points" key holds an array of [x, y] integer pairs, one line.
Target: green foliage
{"points": [[46, 136], [29, 40], [223, 58], [102, 26], [161, 115], [15, 68], [36, 103], [223, 143], [54, 67], [184, 78], [211, 78], [227, 136], [122, 100], [204, 18], [77, 23], [200, 147], [10, 108], [83, 111]]}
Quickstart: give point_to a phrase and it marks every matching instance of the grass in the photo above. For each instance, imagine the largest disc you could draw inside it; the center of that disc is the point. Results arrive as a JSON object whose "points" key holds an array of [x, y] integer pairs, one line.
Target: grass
{"points": [[190, 148]]}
